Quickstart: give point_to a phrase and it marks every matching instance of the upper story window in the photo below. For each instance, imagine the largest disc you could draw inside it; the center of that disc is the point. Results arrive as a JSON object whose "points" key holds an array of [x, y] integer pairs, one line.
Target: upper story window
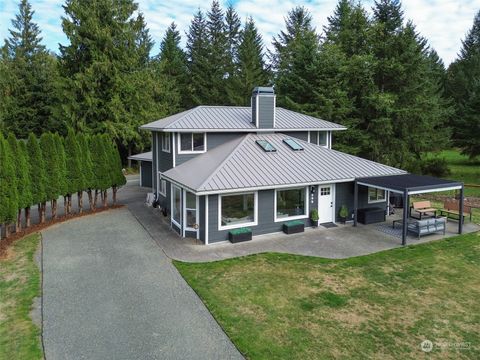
{"points": [[192, 142], [166, 142], [322, 138]]}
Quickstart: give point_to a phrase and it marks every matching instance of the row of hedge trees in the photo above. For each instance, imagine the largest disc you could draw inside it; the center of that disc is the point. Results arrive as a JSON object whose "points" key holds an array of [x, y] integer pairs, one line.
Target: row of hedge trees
{"points": [[35, 171]]}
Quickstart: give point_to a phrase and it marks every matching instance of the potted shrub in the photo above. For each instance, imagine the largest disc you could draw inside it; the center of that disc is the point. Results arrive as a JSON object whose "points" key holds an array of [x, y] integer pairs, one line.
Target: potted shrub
{"points": [[239, 235], [343, 214], [314, 217]]}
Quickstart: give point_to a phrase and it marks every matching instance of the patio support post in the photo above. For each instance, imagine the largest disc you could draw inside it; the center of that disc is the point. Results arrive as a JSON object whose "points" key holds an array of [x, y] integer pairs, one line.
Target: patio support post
{"points": [[460, 212], [405, 217], [355, 203]]}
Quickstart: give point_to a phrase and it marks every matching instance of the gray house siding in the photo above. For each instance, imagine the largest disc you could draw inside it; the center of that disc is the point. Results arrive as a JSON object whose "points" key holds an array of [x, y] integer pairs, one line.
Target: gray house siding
{"points": [[146, 173], [213, 140], [154, 159], [165, 159], [302, 135], [165, 200], [266, 223], [344, 196]]}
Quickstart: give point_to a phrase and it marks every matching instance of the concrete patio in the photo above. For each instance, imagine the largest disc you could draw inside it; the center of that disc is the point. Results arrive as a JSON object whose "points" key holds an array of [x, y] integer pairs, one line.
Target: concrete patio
{"points": [[341, 242]]}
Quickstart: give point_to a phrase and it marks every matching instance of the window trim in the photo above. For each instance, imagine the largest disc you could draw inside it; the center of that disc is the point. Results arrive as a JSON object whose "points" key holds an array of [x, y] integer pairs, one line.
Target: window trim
{"points": [[296, 217], [179, 147], [378, 200], [197, 202], [171, 205], [236, 226], [166, 135]]}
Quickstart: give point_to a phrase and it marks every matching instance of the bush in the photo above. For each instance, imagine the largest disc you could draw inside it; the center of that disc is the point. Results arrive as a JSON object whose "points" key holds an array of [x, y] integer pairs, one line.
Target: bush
{"points": [[436, 166], [314, 215]]}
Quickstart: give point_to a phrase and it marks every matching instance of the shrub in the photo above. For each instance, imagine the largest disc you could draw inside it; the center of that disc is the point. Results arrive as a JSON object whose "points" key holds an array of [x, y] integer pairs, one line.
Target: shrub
{"points": [[314, 215], [435, 166]]}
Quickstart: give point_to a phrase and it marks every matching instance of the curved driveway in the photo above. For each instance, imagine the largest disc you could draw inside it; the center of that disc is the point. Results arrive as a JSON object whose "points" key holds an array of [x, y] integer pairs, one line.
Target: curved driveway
{"points": [[109, 292]]}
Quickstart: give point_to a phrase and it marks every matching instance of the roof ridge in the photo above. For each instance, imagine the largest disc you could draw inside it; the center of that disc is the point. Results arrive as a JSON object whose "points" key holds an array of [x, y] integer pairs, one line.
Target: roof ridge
{"points": [[228, 157]]}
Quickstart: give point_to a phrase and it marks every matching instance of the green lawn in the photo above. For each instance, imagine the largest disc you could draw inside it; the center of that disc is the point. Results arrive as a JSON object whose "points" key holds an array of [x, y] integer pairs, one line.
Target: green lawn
{"points": [[463, 169], [19, 285], [277, 306]]}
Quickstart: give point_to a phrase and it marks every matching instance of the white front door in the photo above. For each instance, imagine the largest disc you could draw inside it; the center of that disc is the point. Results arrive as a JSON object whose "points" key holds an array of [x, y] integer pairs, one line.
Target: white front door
{"points": [[325, 204]]}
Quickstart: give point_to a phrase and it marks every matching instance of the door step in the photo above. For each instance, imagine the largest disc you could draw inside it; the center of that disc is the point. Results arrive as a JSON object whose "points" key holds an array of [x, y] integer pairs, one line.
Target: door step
{"points": [[329, 225]]}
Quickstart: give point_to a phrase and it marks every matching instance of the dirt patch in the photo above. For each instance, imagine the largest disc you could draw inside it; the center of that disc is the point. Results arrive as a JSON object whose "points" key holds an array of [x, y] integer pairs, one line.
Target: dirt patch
{"points": [[5, 243]]}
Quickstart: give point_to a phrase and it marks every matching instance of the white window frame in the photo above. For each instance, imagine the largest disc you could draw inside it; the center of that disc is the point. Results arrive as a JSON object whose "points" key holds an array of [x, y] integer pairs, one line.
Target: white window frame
{"points": [[236, 226], [163, 186], [378, 200], [171, 206], [296, 217], [185, 227], [179, 145], [166, 136]]}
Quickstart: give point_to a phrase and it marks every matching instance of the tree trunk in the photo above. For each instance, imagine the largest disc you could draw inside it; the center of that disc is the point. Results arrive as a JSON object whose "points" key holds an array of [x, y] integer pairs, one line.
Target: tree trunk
{"points": [[80, 201], [129, 154], [90, 199], [40, 213], [44, 211], [7, 230], [114, 195], [54, 209], [95, 199], [69, 204], [65, 205], [18, 226], [105, 198], [27, 216]]}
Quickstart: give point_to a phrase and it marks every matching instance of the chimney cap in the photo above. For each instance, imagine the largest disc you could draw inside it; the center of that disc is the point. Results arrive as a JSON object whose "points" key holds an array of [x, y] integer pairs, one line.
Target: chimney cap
{"points": [[263, 90]]}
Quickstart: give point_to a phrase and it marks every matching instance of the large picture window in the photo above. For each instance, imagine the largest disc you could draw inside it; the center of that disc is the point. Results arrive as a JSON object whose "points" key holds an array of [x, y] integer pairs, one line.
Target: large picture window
{"points": [[291, 204], [237, 210], [375, 195], [176, 205], [192, 142]]}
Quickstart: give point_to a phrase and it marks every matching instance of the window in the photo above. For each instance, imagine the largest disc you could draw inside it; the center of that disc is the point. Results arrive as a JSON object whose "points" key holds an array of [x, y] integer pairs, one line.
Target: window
{"points": [[192, 142], [375, 195], [191, 211], [237, 210], [166, 142], [325, 191], [266, 146], [163, 187], [291, 204], [295, 146], [176, 205], [322, 138]]}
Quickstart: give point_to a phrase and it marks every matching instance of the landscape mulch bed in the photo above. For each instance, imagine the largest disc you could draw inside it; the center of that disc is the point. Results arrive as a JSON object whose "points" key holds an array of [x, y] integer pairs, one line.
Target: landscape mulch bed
{"points": [[6, 242]]}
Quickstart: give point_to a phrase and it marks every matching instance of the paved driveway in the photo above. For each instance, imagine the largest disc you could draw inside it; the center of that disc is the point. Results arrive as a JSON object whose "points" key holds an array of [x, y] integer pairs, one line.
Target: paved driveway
{"points": [[111, 293]]}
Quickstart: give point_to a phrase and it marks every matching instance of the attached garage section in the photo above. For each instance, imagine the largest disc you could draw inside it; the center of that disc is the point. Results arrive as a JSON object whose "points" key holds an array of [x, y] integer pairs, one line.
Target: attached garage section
{"points": [[145, 168]]}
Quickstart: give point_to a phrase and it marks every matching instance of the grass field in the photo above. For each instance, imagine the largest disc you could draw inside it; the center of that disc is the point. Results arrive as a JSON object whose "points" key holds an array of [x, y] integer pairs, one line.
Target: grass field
{"points": [[380, 306], [19, 285], [463, 169]]}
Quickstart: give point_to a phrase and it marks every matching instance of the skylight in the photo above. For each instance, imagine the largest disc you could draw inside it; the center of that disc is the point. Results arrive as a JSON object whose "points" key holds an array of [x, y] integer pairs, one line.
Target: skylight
{"points": [[295, 146], [266, 146]]}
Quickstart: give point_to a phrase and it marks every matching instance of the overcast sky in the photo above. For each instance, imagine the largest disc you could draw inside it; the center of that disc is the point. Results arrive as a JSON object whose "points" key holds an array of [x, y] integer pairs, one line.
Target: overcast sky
{"points": [[443, 22]]}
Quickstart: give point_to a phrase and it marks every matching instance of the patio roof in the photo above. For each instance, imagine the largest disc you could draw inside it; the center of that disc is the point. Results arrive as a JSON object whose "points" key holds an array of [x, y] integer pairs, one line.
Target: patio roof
{"points": [[410, 183]]}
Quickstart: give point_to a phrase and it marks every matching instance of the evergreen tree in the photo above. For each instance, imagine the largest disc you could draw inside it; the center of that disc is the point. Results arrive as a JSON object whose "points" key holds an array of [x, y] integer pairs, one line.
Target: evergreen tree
{"points": [[87, 166], [19, 152], [100, 167], [117, 178], [74, 175], [62, 168], [30, 94], [51, 158], [462, 87], [38, 176], [232, 34], [172, 63], [295, 50], [197, 56], [8, 187], [109, 85], [251, 65]]}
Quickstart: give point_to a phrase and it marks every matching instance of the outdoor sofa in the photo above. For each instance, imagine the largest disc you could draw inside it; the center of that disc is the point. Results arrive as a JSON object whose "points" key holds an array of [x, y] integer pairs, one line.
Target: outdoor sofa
{"points": [[427, 226]]}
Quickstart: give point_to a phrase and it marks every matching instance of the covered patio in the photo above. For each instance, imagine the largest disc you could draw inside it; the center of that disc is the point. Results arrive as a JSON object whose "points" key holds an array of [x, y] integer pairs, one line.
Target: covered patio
{"points": [[407, 185]]}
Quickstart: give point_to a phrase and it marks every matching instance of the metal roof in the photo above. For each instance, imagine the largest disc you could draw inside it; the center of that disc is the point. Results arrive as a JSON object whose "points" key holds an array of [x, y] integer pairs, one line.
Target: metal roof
{"points": [[146, 156], [241, 164], [236, 118], [410, 183]]}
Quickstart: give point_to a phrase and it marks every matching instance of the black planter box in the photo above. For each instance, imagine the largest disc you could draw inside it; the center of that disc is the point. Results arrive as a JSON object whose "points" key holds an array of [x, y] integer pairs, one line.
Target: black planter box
{"points": [[371, 215], [235, 238], [293, 228]]}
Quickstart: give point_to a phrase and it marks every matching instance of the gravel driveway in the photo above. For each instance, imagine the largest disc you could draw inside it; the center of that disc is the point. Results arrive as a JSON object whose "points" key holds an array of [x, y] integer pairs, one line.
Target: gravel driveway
{"points": [[109, 292]]}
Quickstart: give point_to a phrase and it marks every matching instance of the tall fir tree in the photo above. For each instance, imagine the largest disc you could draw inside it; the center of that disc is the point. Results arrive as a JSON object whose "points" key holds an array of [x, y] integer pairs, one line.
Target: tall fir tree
{"points": [[252, 70], [19, 153], [38, 175], [232, 34], [8, 187], [462, 87], [30, 95]]}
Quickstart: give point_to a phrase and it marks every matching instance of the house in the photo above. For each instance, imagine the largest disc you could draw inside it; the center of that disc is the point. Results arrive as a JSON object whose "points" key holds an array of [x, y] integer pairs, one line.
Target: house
{"points": [[218, 168]]}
